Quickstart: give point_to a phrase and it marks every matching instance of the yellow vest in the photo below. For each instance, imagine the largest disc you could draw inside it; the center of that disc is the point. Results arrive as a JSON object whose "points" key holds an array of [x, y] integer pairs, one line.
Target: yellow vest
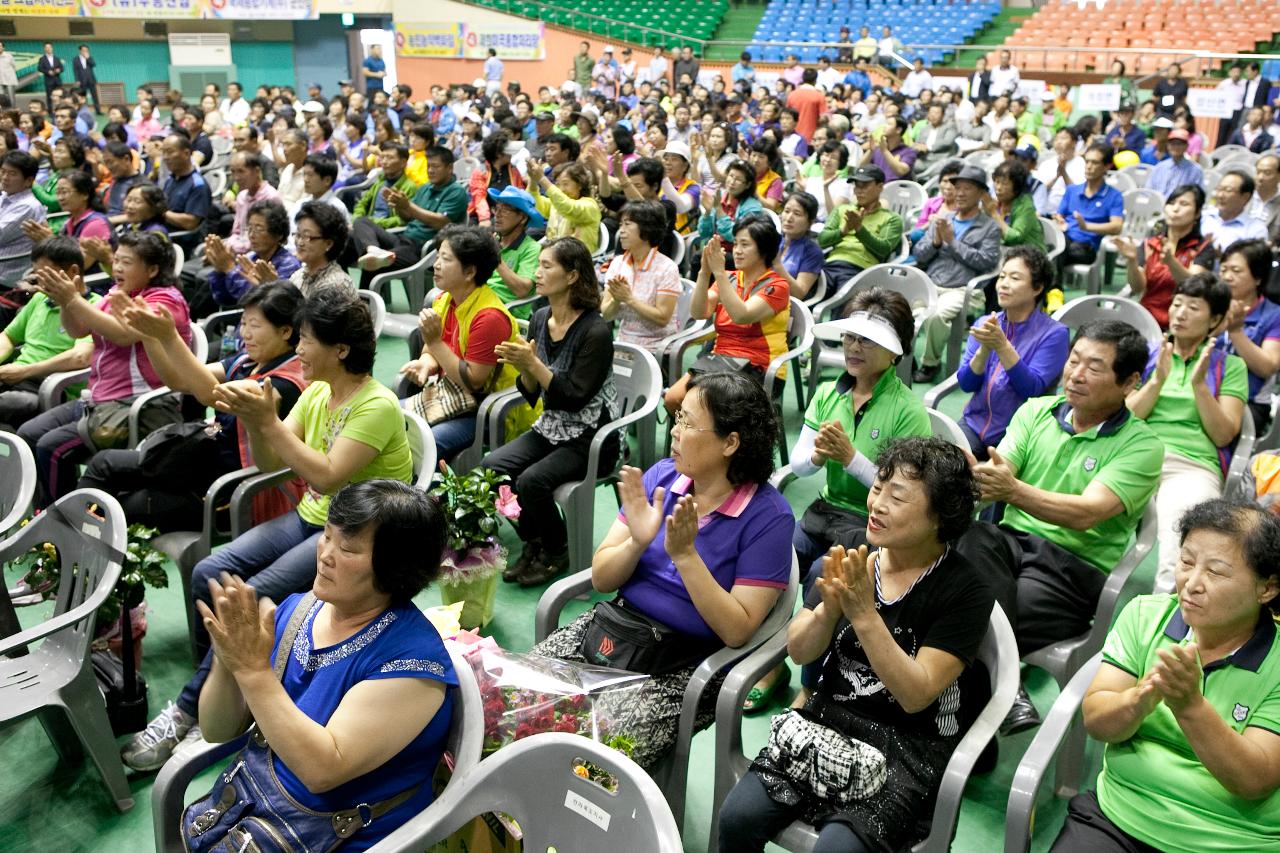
{"points": [[684, 221]]}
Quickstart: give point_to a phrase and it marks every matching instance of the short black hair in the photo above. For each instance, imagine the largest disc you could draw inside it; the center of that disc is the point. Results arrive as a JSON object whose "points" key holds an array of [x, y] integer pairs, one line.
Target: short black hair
{"points": [[1257, 257], [807, 202], [1038, 264], [1130, 347], [322, 166], [26, 164], [154, 250], [279, 302], [1013, 172], [61, 250], [1255, 528], [650, 217], [119, 150], [623, 140], [810, 76], [738, 403], [341, 317], [473, 247], [944, 472], [568, 143], [274, 215], [409, 533], [401, 150], [742, 166], [494, 146], [649, 169], [1208, 287], [950, 168], [332, 224], [766, 237], [1247, 185]]}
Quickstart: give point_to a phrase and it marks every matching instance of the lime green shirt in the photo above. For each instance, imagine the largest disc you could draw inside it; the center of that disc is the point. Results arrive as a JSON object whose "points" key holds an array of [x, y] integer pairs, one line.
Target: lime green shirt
{"points": [[873, 242], [371, 416], [1152, 785], [1175, 418], [522, 258], [892, 412], [37, 329], [1122, 453]]}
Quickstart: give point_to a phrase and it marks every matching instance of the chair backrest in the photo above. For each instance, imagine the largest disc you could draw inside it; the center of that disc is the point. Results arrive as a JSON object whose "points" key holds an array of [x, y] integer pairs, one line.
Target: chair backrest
{"points": [[463, 167], [773, 217], [422, 446], [944, 427], [377, 309], [818, 292], [684, 305], [88, 529], [217, 181], [986, 159], [1142, 207], [534, 781], [903, 197], [602, 251], [18, 473], [179, 258], [1226, 152], [1055, 240], [1212, 177], [1139, 172], [636, 377], [678, 243], [1085, 309], [1120, 181], [912, 282]]}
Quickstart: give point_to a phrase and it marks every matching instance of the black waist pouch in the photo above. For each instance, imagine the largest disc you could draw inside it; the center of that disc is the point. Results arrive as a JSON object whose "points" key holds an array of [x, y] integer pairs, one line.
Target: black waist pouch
{"points": [[621, 637]]}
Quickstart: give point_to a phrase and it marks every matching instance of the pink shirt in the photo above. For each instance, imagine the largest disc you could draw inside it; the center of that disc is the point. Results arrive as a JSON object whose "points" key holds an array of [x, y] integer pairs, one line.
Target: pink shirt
{"points": [[96, 226], [655, 274], [238, 242], [122, 372]]}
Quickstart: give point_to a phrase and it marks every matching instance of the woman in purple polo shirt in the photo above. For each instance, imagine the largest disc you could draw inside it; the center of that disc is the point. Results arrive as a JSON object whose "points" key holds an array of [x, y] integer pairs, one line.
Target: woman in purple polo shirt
{"points": [[1013, 354], [698, 556], [1252, 327]]}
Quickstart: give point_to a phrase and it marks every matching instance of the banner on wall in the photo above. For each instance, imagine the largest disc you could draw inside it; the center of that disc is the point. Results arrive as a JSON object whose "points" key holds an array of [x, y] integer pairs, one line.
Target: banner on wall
{"points": [[143, 8], [519, 40], [432, 41], [277, 10], [39, 8], [515, 40]]}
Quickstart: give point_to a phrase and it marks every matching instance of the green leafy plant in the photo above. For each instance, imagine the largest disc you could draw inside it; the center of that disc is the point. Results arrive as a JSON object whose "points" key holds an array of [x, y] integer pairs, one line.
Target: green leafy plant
{"points": [[471, 504], [143, 567]]}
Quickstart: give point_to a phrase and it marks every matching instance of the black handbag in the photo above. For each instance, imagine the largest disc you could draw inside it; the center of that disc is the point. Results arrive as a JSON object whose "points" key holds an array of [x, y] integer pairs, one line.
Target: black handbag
{"points": [[122, 686], [621, 637], [185, 451]]}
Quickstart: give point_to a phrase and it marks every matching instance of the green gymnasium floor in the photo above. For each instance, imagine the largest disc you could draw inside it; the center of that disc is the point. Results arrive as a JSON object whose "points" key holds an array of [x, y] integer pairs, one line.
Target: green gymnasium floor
{"points": [[46, 807]]}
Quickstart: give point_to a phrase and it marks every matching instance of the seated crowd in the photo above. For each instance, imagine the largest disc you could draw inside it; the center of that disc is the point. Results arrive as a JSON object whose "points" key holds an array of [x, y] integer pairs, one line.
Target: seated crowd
{"points": [[561, 222]]}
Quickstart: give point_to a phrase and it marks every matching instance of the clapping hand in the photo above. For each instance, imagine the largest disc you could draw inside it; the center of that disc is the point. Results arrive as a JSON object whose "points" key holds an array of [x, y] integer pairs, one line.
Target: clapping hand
{"points": [[96, 249], [150, 322], [252, 403], [846, 584], [833, 443], [1201, 370], [1164, 362], [1080, 221], [58, 286], [852, 220], [682, 529], [644, 516], [1234, 321], [396, 200], [36, 232], [519, 353], [218, 255], [430, 325], [995, 477], [241, 626], [1127, 248], [943, 233], [989, 334], [713, 257], [257, 271], [619, 289], [1176, 676]]}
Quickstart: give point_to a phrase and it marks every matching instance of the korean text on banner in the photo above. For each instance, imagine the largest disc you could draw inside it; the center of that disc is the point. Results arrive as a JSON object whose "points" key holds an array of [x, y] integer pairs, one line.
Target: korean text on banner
{"points": [[39, 8], [428, 40], [280, 10], [143, 8], [1096, 97], [520, 40], [1211, 103]]}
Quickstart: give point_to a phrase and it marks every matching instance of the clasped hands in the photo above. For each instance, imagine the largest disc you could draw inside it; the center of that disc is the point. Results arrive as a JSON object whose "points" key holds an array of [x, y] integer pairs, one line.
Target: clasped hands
{"points": [[846, 586], [241, 626]]}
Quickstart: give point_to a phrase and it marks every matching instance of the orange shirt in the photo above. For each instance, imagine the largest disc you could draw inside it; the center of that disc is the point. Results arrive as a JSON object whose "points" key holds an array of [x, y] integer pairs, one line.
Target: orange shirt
{"points": [[810, 102], [761, 342]]}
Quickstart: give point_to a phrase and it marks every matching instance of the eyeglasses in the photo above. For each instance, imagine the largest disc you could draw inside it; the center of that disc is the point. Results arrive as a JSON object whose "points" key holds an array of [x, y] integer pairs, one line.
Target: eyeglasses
{"points": [[682, 421], [302, 237], [255, 229]]}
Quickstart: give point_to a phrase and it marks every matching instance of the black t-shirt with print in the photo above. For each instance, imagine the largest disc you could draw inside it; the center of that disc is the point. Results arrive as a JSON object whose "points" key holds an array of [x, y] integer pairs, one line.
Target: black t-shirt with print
{"points": [[949, 609]]}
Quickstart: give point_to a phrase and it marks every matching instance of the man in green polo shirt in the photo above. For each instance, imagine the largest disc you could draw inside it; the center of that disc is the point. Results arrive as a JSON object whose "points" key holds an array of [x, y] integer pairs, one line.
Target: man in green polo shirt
{"points": [[514, 212], [864, 233], [1076, 472], [1187, 701], [36, 334]]}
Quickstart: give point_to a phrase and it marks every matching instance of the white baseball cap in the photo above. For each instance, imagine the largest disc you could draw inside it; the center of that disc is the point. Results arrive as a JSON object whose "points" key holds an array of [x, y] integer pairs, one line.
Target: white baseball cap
{"points": [[680, 149]]}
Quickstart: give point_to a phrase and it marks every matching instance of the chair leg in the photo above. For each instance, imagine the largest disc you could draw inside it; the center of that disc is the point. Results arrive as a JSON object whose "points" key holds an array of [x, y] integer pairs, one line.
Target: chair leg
{"points": [[89, 718], [60, 733]]}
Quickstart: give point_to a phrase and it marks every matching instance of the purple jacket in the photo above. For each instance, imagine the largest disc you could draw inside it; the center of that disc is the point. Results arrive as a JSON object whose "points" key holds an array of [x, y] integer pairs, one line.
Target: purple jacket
{"points": [[1042, 342]]}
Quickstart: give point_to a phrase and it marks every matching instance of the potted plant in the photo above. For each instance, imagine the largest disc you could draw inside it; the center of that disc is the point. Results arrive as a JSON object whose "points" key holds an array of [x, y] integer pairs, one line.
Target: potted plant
{"points": [[474, 503]]}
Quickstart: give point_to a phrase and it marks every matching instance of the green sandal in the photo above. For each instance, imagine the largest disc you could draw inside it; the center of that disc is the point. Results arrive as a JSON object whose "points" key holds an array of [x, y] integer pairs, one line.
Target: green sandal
{"points": [[757, 700]]}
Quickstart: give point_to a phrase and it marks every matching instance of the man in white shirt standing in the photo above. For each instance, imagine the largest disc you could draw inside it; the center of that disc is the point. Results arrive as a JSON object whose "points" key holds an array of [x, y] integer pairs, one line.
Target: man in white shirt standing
{"points": [[918, 79], [828, 76], [234, 108], [659, 65], [1005, 77], [492, 73], [1233, 88], [887, 46]]}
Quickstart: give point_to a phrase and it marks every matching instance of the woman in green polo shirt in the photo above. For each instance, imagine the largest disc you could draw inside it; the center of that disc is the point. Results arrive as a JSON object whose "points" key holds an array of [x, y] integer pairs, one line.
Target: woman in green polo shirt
{"points": [[1193, 397], [1187, 701], [848, 421]]}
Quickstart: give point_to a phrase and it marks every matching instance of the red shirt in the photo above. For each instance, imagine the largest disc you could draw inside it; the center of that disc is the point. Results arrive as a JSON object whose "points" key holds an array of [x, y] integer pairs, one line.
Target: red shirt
{"points": [[489, 328], [1160, 284], [810, 103], [761, 342]]}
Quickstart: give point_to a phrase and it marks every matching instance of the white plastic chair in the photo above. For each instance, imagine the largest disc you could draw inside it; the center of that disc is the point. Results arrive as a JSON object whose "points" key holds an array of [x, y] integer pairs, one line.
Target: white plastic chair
{"points": [[603, 252], [377, 309], [18, 473], [1120, 181], [999, 653], [414, 279], [1085, 309], [55, 679], [672, 772], [945, 428], [904, 197], [1230, 152], [1054, 240], [533, 781], [1139, 172], [464, 743]]}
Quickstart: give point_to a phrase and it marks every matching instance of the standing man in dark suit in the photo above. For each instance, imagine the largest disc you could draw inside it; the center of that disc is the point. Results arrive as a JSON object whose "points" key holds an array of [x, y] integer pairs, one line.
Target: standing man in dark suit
{"points": [[50, 68], [82, 66], [1256, 87]]}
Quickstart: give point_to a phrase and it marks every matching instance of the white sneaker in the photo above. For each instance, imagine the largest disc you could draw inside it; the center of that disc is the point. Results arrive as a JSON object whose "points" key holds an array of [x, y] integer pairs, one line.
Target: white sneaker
{"points": [[193, 738], [375, 258], [150, 748]]}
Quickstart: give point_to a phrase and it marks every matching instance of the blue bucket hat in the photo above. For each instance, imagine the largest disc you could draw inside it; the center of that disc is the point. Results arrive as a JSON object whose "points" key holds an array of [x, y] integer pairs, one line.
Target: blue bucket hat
{"points": [[521, 201]]}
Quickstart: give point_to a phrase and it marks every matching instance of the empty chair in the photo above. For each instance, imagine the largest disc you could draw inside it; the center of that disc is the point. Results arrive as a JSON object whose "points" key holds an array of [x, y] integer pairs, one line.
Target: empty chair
{"points": [[18, 473], [904, 198], [56, 679], [536, 780]]}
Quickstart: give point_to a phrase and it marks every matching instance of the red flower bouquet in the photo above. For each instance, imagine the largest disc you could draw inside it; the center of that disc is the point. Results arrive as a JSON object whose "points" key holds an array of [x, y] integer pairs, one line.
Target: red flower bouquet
{"points": [[526, 694]]}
